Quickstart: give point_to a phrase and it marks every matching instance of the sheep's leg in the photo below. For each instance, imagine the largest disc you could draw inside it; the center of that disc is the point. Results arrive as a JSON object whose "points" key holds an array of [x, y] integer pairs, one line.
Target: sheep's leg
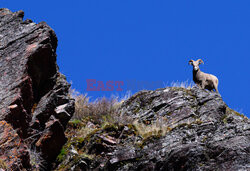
{"points": [[203, 84], [216, 85], [199, 86], [216, 89]]}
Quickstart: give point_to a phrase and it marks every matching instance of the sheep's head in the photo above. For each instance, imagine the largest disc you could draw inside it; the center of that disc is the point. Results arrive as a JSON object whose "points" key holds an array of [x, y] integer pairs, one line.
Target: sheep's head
{"points": [[196, 64]]}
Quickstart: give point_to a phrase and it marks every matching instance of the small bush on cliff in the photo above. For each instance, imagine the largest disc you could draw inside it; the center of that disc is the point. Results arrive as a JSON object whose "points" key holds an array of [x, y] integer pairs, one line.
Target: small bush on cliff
{"points": [[99, 111]]}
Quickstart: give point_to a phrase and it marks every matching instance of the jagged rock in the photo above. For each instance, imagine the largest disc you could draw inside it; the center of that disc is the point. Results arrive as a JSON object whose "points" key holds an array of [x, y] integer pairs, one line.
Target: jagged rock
{"points": [[176, 105], [201, 138], [34, 102], [184, 129]]}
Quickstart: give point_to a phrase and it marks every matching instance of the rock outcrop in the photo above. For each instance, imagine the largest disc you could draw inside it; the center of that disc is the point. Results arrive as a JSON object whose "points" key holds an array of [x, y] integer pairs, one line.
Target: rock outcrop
{"points": [[34, 102], [171, 129], [205, 134]]}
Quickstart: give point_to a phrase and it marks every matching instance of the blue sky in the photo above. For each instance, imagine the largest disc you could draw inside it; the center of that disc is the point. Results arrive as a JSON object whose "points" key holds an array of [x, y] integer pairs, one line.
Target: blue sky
{"points": [[149, 41]]}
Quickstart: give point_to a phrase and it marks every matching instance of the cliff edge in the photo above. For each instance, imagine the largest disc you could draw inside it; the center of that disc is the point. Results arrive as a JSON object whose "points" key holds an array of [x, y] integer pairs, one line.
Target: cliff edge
{"points": [[171, 128], [34, 102]]}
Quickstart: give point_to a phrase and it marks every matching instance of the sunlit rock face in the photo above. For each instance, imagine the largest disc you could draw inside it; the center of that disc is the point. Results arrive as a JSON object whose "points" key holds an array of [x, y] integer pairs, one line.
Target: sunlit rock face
{"points": [[171, 128], [204, 134], [31, 89]]}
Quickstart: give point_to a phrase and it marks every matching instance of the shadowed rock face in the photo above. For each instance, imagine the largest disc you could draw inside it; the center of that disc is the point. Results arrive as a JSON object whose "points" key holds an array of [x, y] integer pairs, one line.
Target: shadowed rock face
{"points": [[34, 102], [186, 129]]}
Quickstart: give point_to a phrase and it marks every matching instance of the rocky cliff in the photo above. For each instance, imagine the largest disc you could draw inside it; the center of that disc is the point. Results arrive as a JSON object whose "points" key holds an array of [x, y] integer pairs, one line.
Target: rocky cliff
{"points": [[171, 128], [168, 129], [34, 102]]}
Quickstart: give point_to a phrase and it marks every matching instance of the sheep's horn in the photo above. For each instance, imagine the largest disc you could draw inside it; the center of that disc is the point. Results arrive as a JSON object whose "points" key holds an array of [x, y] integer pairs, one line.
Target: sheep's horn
{"points": [[200, 61], [191, 61]]}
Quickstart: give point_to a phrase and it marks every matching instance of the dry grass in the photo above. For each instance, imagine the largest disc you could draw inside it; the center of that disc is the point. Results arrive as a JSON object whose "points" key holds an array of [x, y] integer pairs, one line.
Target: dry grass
{"points": [[98, 111], [184, 84], [3, 165], [157, 128]]}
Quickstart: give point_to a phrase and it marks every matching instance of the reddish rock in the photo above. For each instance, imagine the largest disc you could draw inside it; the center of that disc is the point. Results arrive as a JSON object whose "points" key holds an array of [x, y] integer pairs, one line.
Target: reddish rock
{"points": [[31, 89], [14, 153]]}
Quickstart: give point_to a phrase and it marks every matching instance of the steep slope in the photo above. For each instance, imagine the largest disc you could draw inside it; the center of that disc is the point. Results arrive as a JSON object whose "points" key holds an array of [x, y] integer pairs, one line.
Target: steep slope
{"points": [[34, 102], [168, 129]]}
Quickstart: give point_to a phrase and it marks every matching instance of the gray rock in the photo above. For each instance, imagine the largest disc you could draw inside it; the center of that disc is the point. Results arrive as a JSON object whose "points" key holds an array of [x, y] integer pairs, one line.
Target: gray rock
{"points": [[205, 135], [196, 131], [34, 99]]}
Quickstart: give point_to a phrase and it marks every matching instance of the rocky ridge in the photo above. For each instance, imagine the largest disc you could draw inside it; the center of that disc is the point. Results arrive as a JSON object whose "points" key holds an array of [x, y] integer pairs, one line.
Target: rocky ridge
{"points": [[34, 102], [171, 128]]}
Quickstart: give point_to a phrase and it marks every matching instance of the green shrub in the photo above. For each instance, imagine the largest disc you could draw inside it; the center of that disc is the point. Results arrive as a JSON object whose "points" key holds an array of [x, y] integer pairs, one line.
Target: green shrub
{"points": [[62, 154]]}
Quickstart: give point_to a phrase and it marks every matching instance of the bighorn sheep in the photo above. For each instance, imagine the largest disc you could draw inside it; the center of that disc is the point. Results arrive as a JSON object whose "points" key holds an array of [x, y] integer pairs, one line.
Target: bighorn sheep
{"points": [[203, 80]]}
